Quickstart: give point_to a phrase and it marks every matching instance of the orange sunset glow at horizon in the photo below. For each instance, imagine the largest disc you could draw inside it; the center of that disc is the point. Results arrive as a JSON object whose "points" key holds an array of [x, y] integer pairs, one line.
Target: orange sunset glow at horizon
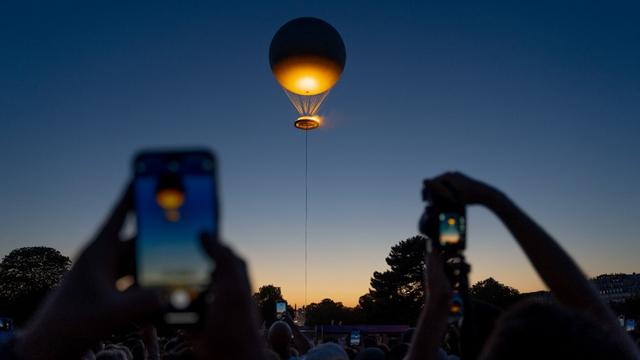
{"points": [[348, 284]]}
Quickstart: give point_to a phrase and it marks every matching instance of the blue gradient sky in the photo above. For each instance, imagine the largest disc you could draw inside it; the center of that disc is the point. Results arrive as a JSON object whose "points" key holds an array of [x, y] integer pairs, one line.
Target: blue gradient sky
{"points": [[540, 98]]}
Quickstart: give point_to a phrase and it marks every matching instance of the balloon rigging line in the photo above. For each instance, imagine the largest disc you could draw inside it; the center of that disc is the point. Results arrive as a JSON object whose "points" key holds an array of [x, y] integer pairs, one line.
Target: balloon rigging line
{"points": [[306, 208], [305, 104]]}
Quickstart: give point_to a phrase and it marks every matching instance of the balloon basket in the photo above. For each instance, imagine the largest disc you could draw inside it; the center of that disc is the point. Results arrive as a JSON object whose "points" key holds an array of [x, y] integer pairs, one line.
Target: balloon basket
{"points": [[307, 122]]}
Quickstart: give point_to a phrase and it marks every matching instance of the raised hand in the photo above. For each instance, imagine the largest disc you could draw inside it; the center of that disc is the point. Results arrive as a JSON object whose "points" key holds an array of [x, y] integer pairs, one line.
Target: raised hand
{"points": [[459, 188], [231, 324], [87, 305]]}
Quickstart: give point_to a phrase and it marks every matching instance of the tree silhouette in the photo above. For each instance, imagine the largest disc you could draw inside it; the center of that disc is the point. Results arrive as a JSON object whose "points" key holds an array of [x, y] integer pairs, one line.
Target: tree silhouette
{"points": [[27, 275], [266, 299], [396, 295], [495, 293], [328, 311]]}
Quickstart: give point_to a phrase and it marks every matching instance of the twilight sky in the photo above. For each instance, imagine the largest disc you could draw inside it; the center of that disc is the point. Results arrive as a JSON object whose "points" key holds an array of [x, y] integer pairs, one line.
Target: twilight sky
{"points": [[539, 98]]}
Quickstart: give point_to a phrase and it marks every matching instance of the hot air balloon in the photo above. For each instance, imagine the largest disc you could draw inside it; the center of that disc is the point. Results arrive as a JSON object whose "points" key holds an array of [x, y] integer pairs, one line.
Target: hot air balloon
{"points": [[307, 57], [170, 197]]}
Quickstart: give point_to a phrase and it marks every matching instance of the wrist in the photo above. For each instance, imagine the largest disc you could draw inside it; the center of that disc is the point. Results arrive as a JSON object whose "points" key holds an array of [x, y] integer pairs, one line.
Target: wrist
{"points": [[494, 200]]}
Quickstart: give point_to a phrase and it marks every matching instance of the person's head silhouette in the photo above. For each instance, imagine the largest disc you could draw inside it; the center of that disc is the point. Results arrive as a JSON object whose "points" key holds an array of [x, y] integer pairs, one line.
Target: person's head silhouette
{"points": [[280, 338], [543, 331]]}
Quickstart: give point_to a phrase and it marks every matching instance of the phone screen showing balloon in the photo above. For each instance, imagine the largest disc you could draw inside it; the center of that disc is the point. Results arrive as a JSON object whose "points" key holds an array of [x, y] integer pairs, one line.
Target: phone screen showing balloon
{"points": [[175, 201], [281, 307], [452, 228]]}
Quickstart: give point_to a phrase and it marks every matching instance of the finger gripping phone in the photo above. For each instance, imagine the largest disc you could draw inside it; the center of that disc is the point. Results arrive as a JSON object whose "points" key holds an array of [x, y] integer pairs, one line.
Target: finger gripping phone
{"points": [[175, 200]]}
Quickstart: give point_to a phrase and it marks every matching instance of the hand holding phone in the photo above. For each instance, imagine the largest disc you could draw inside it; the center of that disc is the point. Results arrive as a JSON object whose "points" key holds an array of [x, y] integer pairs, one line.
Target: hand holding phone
{"points": [[231, 316], [175, 201], [281, 308], [66, 324]]}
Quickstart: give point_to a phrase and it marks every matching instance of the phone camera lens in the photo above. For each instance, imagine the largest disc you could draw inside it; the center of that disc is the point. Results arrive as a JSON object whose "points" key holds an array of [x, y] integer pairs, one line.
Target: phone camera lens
{"points": [[174, 166]]}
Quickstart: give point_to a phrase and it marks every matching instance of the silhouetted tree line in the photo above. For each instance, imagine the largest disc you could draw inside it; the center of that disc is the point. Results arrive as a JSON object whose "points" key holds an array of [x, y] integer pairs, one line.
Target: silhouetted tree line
{"points": [[396, 295], [26, 276]]}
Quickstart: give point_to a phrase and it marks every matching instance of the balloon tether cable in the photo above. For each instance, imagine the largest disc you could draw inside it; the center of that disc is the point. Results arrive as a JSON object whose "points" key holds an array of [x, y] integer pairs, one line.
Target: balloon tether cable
{"points": [[306, 208]]}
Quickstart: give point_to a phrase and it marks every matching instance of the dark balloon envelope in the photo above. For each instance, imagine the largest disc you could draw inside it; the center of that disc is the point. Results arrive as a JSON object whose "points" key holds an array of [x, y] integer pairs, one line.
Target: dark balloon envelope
{"points": [[307, 56]]}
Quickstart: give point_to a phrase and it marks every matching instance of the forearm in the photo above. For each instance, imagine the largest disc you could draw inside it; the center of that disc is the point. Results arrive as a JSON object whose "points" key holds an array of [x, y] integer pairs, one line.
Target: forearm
{"points": [[556, 268], [301, 341], [553, 264], [429, 332]]}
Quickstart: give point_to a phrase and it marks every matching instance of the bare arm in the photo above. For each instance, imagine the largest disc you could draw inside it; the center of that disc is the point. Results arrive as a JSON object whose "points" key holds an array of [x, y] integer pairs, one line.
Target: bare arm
{"points": [[556, 268], [433, 319], [301, 341], [230, 328]]}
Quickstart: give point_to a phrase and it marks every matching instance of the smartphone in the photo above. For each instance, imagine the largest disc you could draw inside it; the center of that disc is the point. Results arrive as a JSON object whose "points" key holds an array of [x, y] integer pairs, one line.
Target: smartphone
{"points": [[281, 308], [6, 329], [444, 222], [175, 200], [354, 340], [452, 229]]}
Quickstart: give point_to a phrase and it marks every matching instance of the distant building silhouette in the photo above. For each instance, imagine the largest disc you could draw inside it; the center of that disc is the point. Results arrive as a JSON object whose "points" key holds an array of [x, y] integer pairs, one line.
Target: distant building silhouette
{"points": [[612, 288], [543, 297], [617, 287]]}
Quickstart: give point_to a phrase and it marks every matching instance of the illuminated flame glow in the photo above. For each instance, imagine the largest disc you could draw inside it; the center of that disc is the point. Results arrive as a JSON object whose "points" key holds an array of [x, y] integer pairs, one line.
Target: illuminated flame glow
{"points": [[306, 75]]}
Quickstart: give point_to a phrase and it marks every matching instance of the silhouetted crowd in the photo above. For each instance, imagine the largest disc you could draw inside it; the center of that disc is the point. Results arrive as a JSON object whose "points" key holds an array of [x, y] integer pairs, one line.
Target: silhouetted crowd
{"points": [[88, 317]]}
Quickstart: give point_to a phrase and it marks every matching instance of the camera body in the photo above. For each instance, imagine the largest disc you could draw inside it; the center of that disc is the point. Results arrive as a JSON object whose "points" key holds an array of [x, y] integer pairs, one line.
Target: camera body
{"points": [[444, 222]]}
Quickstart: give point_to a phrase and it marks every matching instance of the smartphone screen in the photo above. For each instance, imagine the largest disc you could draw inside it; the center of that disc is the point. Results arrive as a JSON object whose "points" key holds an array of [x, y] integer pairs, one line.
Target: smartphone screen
{"points": [[175, 201], [281, 307], [355, 338], [452, 228]]}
